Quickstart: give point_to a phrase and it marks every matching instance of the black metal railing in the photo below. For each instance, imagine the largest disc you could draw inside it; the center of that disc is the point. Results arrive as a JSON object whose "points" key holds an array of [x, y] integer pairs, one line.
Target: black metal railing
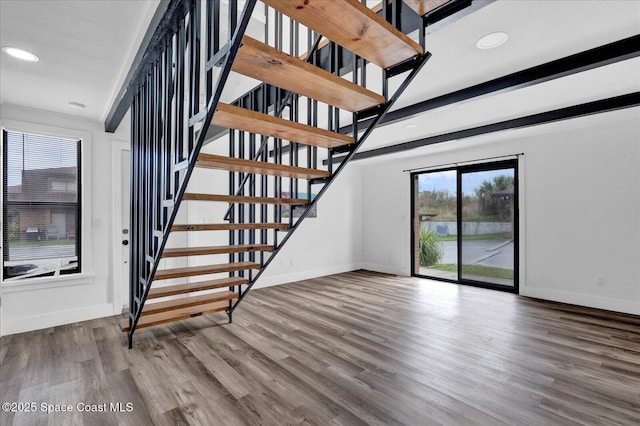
{"points": [[166, 136]]}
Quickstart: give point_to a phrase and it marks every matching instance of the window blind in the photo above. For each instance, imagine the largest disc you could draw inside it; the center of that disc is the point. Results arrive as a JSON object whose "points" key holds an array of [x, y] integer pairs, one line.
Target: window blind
{"points": [[41, 204]]}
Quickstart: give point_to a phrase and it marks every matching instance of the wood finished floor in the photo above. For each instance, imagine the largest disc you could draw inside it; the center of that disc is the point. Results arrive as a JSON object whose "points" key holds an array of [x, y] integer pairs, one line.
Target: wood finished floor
{"points": [[355, 348]]}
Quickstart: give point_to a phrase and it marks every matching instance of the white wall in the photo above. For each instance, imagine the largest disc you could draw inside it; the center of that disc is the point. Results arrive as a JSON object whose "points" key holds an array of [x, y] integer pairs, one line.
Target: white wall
{"points": [[327, 244], [45, 302], [324, 245], [579, 210], [572, 179]]}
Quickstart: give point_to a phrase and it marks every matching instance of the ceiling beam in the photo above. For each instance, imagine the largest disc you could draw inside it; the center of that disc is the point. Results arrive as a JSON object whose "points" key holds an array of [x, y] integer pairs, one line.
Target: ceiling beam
{"points": [[164, 21], [590, 108], [589, 59]]}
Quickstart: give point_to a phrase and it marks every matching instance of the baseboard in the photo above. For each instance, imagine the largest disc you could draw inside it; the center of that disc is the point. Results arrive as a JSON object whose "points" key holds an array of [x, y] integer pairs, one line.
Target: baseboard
{"points": [[588, 300], [38, 322], [268, 281], [385, 269]]}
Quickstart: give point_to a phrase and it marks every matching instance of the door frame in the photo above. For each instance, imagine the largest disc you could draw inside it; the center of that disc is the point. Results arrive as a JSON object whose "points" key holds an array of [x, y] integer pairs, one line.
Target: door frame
{"points": [[116, 268], [475, 167]]}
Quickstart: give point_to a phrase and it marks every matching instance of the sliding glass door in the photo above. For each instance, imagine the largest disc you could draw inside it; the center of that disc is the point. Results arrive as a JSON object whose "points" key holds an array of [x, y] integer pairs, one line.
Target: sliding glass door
{"points": [[465, 225], [487, 243], [435, 224]]}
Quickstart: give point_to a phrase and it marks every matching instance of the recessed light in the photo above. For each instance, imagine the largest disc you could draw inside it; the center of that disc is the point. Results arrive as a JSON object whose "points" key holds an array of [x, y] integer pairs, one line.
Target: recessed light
{"points": [[410, 126], [77, 105], [20, 54], [492, 40]]}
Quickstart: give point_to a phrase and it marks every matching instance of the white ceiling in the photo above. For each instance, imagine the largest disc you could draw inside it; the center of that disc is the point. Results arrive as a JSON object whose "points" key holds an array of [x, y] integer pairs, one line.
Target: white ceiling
{"points": [[86, 48], [539, 32]]}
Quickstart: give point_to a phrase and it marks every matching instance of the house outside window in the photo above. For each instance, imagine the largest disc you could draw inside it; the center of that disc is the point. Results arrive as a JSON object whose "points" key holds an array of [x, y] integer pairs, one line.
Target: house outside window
{"points": [[41, 205]]}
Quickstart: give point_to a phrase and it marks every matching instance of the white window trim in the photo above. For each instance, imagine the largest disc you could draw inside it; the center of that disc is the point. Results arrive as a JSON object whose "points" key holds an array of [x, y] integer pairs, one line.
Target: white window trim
{"points": [[85, 276], [40, 283]]}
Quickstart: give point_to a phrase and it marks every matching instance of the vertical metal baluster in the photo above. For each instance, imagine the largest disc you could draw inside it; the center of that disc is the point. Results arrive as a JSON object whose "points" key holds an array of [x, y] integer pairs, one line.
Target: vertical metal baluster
{"points": [[189, 83], [241, 206], [140, 196], [277, 158], [208, 50], [310, 38], [194, 59], [277, 37], [216, 26], [252, 184], [232, 213], [396, 13], [133, 267], [280, 94], [149, 176], [145, 193], [333, 66], [179, 123], [385, 11], [150, 168], [279, 31], [336, 71], [157, 176], [314, 120], [233, 17], [332, 49], [264, 180], [231, 192], [166, 166], [293, 182]]}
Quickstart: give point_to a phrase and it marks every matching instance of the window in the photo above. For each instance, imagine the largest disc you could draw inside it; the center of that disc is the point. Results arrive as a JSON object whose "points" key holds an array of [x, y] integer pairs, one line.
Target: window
{"points": [[41, 205]]}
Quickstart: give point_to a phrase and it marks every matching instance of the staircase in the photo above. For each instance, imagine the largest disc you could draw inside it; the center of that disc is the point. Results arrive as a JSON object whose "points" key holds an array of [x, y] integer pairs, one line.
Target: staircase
{"points": [[273, 169]]}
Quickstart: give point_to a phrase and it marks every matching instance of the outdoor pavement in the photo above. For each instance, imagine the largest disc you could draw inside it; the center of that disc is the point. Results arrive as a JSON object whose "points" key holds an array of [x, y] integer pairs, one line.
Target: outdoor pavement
{"points": [[495, 253]]}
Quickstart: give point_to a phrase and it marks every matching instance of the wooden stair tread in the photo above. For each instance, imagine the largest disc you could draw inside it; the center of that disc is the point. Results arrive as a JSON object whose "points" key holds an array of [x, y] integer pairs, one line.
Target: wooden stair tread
{"points": [[262, 62], [354, 26], [234, 117], [172, 290], [190, 271], [259, 167], [425, 6], [244, 199], [186, 302], [176, 315], [199, 251], [228, 226]]}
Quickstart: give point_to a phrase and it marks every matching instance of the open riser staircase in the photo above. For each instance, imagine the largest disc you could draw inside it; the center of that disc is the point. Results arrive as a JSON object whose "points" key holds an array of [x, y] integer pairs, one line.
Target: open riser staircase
{"points": [[323, 64]]}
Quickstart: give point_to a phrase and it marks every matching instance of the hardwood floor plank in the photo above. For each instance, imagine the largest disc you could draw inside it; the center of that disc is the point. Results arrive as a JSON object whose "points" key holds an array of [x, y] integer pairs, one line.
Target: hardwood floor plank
{"points": [[228, 377], [353, 348], [172, 417], [273, 377]]}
